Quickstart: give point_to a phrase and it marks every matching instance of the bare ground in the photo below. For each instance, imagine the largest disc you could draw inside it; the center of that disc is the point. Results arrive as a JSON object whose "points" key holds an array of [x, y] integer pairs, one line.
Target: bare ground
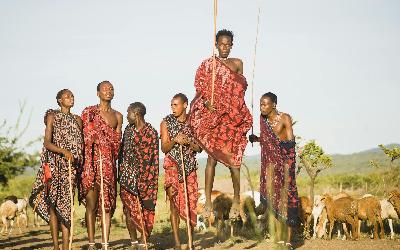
{"points": [[39, 238]]}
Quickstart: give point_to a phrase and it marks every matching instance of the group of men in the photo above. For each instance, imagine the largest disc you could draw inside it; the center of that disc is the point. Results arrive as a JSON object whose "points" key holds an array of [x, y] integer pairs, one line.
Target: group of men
{"points": [[217, 123]]}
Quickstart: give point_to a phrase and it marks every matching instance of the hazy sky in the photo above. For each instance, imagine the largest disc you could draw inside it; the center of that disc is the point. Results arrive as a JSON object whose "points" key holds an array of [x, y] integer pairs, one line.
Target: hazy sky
{"points": [[335, 65]]}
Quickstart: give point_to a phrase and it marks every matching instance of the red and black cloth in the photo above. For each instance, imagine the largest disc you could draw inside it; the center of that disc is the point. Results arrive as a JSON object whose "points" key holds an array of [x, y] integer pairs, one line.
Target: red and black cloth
{"points": [[174, 128], [173, 177], [278, 178], [222, 134], [67, 134], [95, 129], [138, 174]]}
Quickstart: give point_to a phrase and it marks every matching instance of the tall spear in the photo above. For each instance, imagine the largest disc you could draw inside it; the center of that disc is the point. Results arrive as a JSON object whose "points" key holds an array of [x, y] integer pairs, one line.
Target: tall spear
{"points": [[254, 69], [71, 231], [102, 203], [189, 231], [141, 221], [213, 50]]}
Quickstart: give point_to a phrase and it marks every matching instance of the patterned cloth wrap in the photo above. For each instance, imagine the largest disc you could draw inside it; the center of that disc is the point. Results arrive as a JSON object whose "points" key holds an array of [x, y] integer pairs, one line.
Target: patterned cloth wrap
{"points": [[189, 158], [138, 175], [108, 140], [222, 134], [173, 171], [67, 134], [278, 178]]}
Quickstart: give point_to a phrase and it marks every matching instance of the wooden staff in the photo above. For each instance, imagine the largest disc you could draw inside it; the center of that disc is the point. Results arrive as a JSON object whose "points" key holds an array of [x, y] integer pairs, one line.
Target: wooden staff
{"points": [[102, 202], [254, 68], [71, 231], [189, 231], [141, 221], [213, 51]]}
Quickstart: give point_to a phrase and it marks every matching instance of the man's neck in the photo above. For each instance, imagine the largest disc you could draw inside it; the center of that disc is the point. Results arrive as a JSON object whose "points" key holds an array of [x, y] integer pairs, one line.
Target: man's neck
{"points": [[105, 105], [182, 117], [65, 110], [272, 114], [140, 124]]}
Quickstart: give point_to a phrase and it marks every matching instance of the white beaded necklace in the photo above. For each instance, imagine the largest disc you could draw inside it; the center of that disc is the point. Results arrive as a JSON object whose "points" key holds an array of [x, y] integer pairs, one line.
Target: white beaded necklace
{"points": [[276, 120]]}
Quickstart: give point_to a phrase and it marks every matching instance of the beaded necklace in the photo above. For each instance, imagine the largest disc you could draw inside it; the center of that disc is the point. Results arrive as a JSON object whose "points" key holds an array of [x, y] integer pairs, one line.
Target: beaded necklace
{"points": [[276, 120]]}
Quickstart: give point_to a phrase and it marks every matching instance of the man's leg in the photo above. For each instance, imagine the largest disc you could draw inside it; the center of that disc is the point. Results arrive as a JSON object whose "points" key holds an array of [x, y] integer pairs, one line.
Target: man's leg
{"points": [[91, 206], [54, 227], [131, 227], [65, 237], [289, 234], [235, 210], [174, 217], [209, 182], [278, 230]]}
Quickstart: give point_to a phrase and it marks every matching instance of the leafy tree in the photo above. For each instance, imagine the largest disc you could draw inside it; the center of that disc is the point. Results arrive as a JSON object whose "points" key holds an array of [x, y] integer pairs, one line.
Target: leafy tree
{"points": [[13, 157], [314, 160], [392, 153]]}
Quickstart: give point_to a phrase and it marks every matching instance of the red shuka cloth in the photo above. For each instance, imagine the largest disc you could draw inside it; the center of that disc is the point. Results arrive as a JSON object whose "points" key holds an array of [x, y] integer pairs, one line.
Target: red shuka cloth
{"points": [[222, 134], [178, 189], [66, 134], [131, 205], [95, 128], [278, 178], [138, 175]]}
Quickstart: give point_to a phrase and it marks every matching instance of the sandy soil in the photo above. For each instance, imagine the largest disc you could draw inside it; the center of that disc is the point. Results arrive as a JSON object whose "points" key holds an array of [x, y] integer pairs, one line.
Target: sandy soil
{"points": [[39, 238]]}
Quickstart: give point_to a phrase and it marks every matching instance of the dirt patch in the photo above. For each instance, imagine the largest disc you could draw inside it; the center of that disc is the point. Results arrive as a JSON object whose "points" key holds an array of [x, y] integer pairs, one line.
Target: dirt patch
{"points": [[39, 238]]}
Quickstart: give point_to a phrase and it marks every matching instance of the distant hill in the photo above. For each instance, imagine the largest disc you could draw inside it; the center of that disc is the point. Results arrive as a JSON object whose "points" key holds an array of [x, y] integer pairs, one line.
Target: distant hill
{"points": [[358, 162], [342, 163]]}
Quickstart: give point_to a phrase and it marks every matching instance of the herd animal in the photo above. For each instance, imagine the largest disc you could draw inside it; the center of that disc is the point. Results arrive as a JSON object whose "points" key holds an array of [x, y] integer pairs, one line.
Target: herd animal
{"points": [[13, 209], [352, 212], [339, 210], [320, 216]]}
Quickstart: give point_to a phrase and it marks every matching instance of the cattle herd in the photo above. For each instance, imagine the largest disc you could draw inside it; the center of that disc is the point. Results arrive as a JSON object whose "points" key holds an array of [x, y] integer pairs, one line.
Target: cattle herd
{"points": [[327, 214]]}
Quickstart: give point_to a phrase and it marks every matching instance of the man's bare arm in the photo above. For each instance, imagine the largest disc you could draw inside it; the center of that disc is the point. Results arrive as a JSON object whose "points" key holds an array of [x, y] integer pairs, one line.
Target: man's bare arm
{"points": [[120, 120], [166, 142], [239, 64], [287, 121]]}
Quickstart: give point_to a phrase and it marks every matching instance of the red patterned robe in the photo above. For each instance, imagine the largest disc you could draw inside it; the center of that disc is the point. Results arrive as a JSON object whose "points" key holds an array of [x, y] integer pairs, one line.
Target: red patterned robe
{"points": [[174, 174], [95, 128], [222, 134], [67, 134], [278, 178], [138, 175]]}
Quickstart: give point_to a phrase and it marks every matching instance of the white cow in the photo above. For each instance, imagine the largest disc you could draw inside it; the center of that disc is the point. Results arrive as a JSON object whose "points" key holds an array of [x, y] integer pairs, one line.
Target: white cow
{"points": [[388, 213], [316, 213]]}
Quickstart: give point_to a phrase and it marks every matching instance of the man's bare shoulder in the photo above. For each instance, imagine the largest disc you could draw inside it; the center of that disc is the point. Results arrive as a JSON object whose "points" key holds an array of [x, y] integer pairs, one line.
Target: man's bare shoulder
{"points": [[237, 60], [286, 117], [117, 114], [49, 117], [238, 64], [163, 123]]}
